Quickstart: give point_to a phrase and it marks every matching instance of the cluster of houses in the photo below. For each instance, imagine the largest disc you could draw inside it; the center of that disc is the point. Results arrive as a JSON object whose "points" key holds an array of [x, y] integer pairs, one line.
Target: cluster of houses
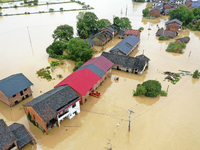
{"points": [[172, 28], [162, 7], [50, 108], [14, 137]]}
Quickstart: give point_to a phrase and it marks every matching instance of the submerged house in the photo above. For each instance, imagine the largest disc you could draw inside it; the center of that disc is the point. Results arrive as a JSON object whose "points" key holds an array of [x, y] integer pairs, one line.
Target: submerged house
{"points": [[155, 12], [183, 40], [49, 109], [128, 32], [101, 38], [157, 3], [135, 65], [14, 137], [126, 46], [88, 77], [173, 25], [14, 89], [170, 34]]}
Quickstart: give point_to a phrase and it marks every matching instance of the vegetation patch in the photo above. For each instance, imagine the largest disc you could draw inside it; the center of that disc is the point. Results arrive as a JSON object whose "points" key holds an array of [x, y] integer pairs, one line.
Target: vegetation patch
{"points": [[54, 63], [44, 73], [150, 88], [163, 37], [141, 28], [196, 74], [176, 47]]}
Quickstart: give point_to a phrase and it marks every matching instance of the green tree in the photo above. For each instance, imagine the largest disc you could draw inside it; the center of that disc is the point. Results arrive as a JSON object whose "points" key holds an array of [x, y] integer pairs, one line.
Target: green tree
{"points": [[51, 10], [63, 32], [122, 23], [78, 65], [103, 23], [61, 9], [141, 90], [87, 24], [57, 47], [182, 13], [78, 50], [153, 88], [25, 1], [196, 74], [1, 13], [145, 12], [198, 25]]}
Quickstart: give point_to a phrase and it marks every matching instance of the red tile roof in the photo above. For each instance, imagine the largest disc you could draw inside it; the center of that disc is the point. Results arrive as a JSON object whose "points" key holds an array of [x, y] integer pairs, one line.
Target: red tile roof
{"points": [[132, 32], [81, 81], [101, 62]]}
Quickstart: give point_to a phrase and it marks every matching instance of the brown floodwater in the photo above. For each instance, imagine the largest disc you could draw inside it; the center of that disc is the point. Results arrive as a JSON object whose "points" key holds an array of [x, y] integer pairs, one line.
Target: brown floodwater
{"points": [[161, 123]]}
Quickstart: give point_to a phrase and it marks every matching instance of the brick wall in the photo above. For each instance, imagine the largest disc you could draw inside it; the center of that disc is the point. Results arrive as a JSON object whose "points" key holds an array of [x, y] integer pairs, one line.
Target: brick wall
{"points": [[4, 99], [166, 7], [155, 12], [178, 41], [18, 96], [35, 117], [173, 27]]}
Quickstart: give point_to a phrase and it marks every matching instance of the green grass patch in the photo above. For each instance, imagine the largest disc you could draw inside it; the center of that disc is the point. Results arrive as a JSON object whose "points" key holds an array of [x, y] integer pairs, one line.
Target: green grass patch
{"points": [[163, 37], [176, 47]]}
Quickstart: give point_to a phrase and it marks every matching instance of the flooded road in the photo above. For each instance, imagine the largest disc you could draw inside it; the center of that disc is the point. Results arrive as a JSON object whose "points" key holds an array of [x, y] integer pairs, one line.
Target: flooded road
{"points": [[162, 123]]}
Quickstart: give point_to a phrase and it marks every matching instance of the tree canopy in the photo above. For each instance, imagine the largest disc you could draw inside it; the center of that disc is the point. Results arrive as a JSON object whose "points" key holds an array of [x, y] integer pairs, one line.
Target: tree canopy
{"points": [[87, 24], [182, 13], [56, 48], [122, 23], [103, 23], [63, 32], [146, 12], [153, 88], [78, 50]]}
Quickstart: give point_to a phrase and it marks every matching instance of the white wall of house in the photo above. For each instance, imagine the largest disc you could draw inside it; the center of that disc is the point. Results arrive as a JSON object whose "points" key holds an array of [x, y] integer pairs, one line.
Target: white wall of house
{"points": [[70, 112]]}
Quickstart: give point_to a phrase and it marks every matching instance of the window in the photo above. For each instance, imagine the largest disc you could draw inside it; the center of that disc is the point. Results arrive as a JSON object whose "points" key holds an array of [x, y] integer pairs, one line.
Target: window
{"points": [[14, 95], [25, 89], [74, 105]]}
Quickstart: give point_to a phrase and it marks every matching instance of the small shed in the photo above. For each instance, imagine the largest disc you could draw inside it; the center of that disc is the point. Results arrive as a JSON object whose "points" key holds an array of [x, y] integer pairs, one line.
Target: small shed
{"points": [[171, 34], [183, 40]]}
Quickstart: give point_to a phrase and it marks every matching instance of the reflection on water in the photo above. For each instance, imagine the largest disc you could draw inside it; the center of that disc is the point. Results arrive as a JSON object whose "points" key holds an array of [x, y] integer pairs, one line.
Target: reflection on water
{"points": [[160, 123]]}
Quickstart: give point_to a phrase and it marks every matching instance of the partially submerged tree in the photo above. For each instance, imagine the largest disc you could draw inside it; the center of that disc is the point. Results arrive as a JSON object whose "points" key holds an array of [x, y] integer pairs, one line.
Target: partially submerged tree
{"points": [[78, 50], [103, 23], [196, 74], [56, 48], [153, 88], [63, 32], [146, 12], [122, 23], [87, 24]]}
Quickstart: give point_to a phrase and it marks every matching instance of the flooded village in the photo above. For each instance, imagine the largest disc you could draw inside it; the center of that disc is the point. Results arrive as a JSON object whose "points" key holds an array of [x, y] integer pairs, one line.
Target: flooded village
{"points": [[102, 123]]}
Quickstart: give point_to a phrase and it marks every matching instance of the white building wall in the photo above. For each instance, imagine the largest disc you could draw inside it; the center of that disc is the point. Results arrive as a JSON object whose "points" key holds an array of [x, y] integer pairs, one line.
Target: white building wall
{"points": [[71, 112]]}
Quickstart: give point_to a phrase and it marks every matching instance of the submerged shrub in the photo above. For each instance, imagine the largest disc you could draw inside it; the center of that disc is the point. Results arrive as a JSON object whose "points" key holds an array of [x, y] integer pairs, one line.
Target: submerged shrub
{"points": [[163, 93]]}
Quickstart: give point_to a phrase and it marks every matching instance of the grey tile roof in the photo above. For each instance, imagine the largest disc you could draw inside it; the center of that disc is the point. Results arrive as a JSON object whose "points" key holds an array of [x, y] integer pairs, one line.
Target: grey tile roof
{"points": [[167, 10], [100, 36], [171, 34], [14, 84], [94, 69], [174, 20], [50, 102], [126, 61], [126, 44], [121, 32], [156, 8], [110, 28], [90, 41], [184, 40], [113, 26], [195, 5], [21, 133], [6, 136]]}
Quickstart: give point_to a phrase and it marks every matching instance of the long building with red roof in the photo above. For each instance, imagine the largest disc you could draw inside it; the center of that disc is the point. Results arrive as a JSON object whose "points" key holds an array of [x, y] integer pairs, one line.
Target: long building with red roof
{"points": [[88, 77]]}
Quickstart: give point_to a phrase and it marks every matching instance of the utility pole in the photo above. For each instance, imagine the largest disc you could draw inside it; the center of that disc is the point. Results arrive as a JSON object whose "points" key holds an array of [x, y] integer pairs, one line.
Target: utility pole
{"points": [[129, 125], [113, 18], [30, 40], [121, 12], [126, 10]]}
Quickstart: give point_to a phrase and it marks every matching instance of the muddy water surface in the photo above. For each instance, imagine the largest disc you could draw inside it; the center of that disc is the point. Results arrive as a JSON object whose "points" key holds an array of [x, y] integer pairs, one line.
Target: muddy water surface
{"points": [[158, 123]]}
